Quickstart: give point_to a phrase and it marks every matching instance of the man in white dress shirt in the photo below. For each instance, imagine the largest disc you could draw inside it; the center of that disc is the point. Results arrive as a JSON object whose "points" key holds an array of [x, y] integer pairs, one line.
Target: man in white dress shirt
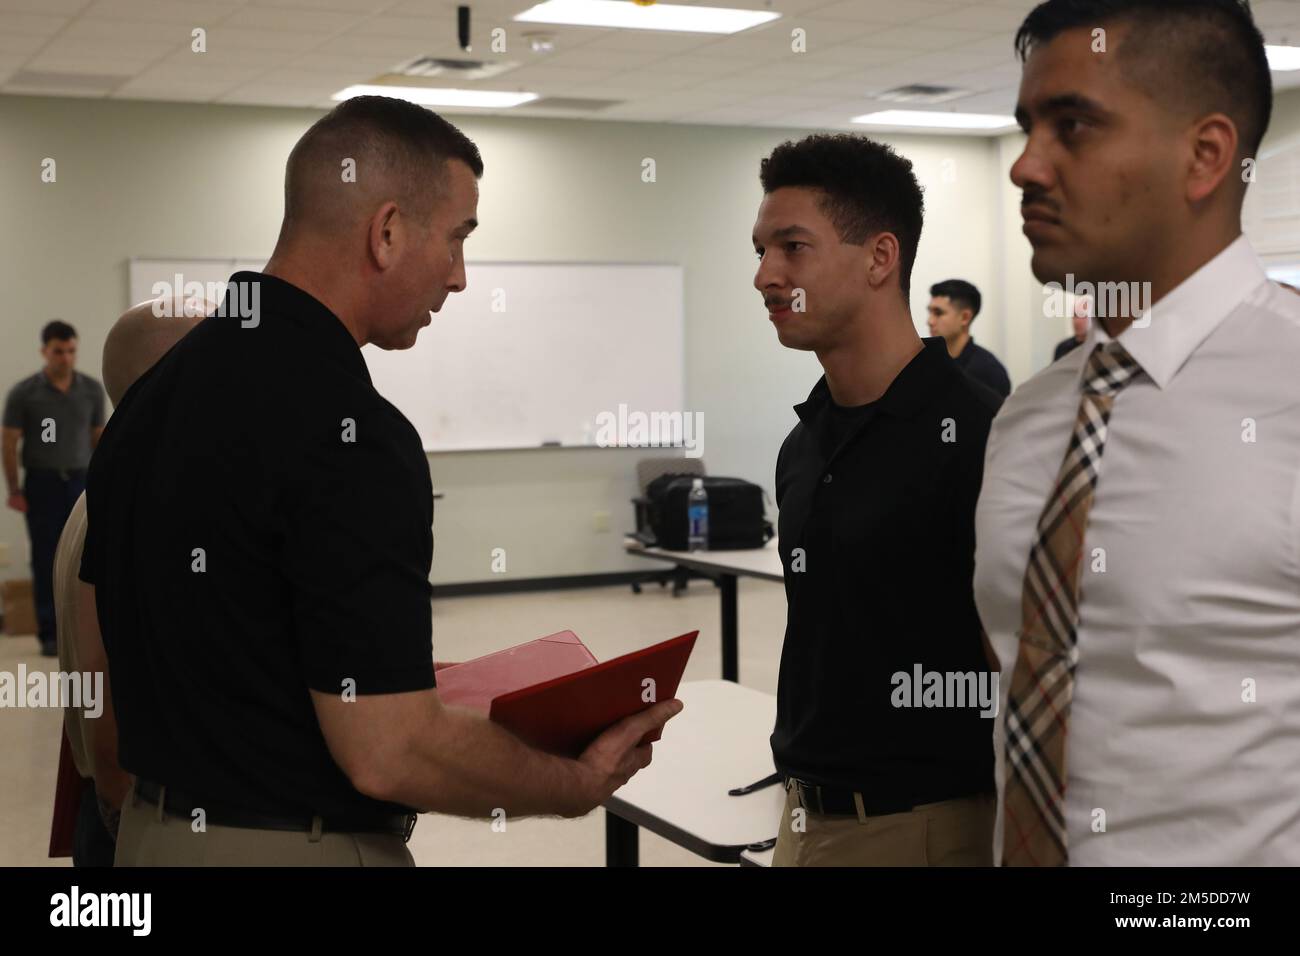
{"points": [[1138, 531]]}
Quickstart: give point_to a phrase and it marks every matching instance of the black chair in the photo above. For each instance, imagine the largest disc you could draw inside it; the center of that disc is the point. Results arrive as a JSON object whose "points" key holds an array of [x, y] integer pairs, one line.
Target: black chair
{"points": [[647, 470]]}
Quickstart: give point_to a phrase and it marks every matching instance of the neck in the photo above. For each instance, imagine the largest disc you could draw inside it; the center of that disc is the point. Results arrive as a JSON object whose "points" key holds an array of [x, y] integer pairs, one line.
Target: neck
{"points": [[861, 367], [303, 268], [957, 344], [1185, 259], [58, 375]]}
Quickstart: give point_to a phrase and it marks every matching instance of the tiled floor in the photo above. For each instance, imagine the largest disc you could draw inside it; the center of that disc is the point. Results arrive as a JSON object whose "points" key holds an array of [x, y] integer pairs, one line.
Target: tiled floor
{"points": [[610, 621]]}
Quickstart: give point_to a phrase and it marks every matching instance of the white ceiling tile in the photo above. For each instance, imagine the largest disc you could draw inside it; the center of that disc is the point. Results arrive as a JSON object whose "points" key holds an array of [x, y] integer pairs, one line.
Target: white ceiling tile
{"points": [[275, 41], [652, 81], [31, 24], [280, 18], [65, 8], [417, 27], [197, 13], [344, 6], [20, 44], [585, 59], [102, 65], [399, 48], [981, 18], [916, 38], [335, 63], [698, 64], [883, 11], [639, 41]]}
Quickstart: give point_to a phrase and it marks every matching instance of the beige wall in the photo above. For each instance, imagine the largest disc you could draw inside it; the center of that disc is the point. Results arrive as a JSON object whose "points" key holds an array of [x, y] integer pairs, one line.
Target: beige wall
{"points": [[166, 179]]}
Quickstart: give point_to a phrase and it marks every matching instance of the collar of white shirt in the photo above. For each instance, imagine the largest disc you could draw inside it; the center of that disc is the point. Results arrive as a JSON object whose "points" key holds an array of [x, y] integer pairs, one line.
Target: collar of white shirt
{"points": [[1186, 317]]}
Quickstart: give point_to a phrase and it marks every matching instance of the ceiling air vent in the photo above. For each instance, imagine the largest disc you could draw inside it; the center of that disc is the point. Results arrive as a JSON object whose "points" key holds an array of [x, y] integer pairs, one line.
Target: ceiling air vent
{"points": [[922, 93], [429, 67]]}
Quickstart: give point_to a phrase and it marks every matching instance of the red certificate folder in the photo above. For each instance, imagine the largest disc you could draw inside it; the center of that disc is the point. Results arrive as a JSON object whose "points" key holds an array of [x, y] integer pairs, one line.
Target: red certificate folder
{"points": [[553, 694], [474, 683]]}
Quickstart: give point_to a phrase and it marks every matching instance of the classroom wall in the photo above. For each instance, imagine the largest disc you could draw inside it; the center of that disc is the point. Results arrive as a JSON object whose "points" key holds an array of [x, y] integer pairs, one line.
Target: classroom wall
{"points": [[185, 180]]}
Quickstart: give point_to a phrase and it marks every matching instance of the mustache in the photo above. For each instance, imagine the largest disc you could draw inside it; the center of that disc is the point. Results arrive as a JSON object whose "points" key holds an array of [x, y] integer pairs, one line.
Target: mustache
{"points": [[1034, 197]]}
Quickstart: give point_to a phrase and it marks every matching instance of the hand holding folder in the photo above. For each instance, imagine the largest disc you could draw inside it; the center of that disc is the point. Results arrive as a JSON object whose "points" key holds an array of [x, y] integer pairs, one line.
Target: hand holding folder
{"points": [[553, 693]]}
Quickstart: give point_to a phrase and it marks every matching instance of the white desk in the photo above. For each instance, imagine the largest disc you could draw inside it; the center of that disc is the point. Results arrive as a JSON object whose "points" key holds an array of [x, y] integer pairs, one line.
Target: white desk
{"points": [[717, 743], [726, 566]]}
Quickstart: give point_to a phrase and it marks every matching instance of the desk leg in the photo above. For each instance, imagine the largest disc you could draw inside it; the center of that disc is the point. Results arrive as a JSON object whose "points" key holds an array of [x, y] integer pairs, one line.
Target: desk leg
{"points": [[730, 639], [621, 841]]}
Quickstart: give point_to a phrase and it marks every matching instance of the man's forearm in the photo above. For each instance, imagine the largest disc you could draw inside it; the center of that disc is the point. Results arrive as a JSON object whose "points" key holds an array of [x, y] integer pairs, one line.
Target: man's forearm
{"points": [[469, 766], [11, 466]]}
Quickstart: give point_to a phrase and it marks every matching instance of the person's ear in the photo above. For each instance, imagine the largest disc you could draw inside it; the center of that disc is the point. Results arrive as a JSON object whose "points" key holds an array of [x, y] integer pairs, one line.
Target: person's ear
{"points": [[883, 256], [384, 236], [1213, 156]]}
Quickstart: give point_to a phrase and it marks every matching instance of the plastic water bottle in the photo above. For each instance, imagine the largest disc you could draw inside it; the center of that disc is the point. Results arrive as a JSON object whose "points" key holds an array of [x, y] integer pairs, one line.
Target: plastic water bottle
{"points": [[697, 517]]}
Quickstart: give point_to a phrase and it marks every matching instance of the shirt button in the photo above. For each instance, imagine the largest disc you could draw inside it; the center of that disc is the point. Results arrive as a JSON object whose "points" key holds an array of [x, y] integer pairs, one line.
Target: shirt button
{"points": [[826, 480]]}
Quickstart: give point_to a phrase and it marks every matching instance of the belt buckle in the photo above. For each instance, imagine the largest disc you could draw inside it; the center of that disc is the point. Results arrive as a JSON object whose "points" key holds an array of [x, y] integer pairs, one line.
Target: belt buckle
{"points": [[410, 827]]}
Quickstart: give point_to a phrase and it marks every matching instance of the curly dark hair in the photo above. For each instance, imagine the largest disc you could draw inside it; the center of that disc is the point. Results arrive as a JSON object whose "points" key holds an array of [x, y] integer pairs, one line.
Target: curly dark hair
{"points": [[866, 187]]}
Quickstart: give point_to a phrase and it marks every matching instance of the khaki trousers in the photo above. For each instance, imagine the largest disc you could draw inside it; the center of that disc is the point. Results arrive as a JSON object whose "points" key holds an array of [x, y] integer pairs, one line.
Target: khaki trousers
{"points": [[148, 837], [949, 833]]}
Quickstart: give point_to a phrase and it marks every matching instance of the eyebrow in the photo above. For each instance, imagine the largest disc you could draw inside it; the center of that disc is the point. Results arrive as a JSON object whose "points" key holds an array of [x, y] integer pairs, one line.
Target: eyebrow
{"points": [[1062, 103], [785, 232]]}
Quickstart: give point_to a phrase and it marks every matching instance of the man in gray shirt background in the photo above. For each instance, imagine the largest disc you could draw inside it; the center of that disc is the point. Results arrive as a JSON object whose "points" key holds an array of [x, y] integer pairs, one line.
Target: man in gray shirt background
{"points": [[57, 415]]}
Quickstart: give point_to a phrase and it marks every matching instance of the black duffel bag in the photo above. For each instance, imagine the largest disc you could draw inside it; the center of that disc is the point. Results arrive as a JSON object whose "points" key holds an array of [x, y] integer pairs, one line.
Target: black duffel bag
{"points": [[737, 517]]}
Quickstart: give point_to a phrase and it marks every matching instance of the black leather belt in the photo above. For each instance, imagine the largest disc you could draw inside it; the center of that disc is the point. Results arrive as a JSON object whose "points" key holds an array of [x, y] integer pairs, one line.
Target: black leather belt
{"points": [[836, 800], [180, 804]]}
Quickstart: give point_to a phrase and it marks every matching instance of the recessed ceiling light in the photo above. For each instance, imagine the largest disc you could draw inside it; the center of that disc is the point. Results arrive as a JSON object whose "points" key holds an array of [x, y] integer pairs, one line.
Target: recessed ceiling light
{"points": [[425, 96], [1282, 59], [659, 16], [932, 119]]}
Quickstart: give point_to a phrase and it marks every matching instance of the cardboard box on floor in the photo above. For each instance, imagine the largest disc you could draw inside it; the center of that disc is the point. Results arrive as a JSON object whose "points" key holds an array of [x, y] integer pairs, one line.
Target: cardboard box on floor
{"points": [[19, 607]]}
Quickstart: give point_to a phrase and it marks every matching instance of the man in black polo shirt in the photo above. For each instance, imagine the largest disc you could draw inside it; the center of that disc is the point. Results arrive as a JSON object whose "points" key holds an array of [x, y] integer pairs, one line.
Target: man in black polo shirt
{"points": [[259, 542], [883, 728], [954, 303], [57, 415]]}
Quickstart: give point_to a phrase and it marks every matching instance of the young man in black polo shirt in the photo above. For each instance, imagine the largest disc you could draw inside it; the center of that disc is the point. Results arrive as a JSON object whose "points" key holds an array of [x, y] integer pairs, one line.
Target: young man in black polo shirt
{"points": [[880, 733], [259, 543], [954, 303]]}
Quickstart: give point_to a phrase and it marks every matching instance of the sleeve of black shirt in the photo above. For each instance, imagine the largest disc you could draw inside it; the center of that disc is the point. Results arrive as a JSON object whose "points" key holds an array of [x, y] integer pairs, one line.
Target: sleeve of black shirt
{"points": [[999, 380], [13, 416], [357, 550]]}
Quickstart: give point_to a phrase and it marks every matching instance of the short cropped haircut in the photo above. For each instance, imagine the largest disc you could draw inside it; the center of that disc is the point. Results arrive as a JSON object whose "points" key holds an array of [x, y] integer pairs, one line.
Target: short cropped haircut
{"points": [[1199, 56], [960, 293], [866, 189], [58, 329], [409, 143]]}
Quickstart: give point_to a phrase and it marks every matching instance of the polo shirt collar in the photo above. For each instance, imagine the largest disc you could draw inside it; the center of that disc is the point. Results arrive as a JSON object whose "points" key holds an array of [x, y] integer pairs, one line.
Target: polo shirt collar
{"points": [[907, 394], [309, 316], [1187, 315]]}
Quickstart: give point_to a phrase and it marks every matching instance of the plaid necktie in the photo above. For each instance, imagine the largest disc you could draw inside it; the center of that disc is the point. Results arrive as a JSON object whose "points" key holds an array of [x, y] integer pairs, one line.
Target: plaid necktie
{"points": [[1042, 684]]}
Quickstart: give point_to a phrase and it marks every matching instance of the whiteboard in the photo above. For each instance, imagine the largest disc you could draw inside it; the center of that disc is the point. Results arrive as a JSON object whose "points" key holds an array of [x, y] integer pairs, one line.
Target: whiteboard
{"points": [[530, 354], [212, 273]]}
